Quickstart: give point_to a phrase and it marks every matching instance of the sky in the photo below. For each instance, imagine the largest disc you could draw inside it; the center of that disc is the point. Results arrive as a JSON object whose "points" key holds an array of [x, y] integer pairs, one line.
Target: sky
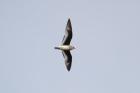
{"points": [[106, 34]]}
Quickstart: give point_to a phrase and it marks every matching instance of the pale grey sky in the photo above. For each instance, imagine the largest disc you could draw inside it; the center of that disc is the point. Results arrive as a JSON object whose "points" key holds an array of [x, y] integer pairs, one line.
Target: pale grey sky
{"points": [[106, 36]]}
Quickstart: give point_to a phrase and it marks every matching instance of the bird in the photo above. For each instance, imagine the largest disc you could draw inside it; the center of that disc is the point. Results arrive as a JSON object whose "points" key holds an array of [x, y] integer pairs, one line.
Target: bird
{"points": [[65, 47]]}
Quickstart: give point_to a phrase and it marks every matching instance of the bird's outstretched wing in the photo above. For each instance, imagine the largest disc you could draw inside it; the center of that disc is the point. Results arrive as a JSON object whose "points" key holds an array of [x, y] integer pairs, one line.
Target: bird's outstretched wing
{"points": [[68, 34], [68, 59]]}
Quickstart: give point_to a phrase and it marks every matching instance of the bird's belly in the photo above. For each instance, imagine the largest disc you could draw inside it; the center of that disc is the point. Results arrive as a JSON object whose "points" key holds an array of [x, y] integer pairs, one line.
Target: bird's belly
{"points": [[65, 47]]}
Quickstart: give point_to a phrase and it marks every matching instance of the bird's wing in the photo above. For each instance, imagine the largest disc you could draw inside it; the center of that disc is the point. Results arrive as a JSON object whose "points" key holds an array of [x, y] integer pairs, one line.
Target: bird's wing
{"points": [[68, 59], [68, 34]]}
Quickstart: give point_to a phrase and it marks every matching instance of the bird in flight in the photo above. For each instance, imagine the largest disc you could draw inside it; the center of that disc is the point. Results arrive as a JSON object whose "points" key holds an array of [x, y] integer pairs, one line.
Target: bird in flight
{"points": [[66, 47]]}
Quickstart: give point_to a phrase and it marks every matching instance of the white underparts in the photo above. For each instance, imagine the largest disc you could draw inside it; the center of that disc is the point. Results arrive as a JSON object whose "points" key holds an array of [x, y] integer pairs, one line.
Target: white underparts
{"points": [[65, 47]]}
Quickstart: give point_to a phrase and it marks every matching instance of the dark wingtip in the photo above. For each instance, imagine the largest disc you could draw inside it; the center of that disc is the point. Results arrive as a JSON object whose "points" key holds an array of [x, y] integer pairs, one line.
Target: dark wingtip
{"points": [[69, 23], [69, 20], [68, 70], [68, 67]]}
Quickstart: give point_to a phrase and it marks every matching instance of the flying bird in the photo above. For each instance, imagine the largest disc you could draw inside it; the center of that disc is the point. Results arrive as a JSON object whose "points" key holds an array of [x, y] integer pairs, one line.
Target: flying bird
{"points": [[66, 47]]}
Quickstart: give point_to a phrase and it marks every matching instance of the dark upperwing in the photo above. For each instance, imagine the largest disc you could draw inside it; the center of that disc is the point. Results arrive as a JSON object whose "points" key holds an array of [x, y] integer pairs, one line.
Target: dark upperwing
{"points": [[68, 34], [68, 59]]}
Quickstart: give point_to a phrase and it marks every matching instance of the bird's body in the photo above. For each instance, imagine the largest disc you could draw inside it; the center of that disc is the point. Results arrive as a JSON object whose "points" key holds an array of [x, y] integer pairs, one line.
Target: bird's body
{"points": [[66, 47]]}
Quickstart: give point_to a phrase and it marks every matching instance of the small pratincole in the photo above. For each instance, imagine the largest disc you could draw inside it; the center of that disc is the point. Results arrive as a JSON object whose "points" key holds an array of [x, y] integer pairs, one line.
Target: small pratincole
{"points": [[66, 47]]}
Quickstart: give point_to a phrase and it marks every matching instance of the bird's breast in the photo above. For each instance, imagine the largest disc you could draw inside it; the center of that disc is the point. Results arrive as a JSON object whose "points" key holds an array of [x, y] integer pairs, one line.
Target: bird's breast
{"points": [[65, 47]]}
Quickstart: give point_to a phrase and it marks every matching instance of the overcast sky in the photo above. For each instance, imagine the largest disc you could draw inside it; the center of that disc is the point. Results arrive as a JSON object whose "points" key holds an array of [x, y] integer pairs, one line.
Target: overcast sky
{"points": [[106, 34]]}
